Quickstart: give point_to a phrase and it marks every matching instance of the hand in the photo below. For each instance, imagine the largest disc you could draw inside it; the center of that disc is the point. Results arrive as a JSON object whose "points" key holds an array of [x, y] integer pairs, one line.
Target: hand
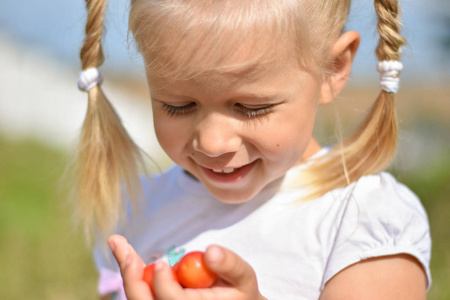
{"points": [[236, 279]]}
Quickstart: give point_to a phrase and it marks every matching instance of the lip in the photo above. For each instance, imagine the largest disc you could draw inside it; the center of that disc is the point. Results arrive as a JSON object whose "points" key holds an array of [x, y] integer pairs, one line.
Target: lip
{"points": [[238, 175]]}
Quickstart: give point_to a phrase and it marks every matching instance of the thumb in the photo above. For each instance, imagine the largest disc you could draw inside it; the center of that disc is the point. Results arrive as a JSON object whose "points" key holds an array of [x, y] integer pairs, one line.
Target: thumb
{"points": [[231, 268]]}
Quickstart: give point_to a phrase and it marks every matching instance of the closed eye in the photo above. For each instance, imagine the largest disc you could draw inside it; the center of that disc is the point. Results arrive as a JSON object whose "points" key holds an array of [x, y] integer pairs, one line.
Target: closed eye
{"points": [[178, 110], [254, 112]]}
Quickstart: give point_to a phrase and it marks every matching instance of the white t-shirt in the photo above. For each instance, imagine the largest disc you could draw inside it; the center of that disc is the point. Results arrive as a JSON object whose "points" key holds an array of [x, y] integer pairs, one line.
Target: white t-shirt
{"points": [[294, 247]]}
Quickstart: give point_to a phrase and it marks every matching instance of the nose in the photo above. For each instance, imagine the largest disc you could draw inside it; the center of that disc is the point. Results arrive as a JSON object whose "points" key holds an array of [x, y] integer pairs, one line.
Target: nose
{"points": [[216, 135]]}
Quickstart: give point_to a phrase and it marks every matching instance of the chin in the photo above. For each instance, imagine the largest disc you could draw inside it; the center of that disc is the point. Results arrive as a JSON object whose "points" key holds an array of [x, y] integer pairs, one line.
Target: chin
{"points": [[230, 197]]}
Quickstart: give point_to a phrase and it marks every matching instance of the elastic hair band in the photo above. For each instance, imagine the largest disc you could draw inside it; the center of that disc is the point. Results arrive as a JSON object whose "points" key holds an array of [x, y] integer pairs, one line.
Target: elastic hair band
{"points": [[89, 78], [389, 75]]}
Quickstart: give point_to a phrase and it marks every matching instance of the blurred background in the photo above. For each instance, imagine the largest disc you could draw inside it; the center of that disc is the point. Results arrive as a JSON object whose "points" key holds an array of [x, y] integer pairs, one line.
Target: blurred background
{"points": [[41, 111]]}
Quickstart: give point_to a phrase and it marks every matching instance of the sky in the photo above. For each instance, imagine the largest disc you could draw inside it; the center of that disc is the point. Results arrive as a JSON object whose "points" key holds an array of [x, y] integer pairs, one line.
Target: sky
{"points": [[56, 28]]}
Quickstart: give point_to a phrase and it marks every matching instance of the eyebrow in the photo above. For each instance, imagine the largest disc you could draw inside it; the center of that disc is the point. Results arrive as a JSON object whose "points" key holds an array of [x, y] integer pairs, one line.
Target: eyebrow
{"points": [[271, 97]]}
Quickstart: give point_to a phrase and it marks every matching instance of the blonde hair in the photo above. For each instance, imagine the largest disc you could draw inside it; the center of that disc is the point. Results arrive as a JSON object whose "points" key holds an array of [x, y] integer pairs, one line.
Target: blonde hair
{"points": [[373, 144], [185, 38], [107, 157], [182, 38]]}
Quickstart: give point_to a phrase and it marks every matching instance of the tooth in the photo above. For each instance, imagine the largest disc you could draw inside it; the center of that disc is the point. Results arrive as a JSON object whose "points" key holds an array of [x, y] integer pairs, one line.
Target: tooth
{"points": [[224, 171]]}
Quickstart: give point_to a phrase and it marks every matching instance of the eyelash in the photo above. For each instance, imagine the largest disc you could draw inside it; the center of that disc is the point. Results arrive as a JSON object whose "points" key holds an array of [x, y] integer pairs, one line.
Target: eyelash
{"points": [[248, 112], [178, 110], [254, 112]]}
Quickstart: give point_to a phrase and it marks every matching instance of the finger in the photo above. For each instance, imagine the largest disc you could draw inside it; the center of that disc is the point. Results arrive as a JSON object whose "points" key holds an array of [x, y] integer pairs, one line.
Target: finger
{"points": [[131, 268], [164, 283], [123, 251], [120, 249], [231, 268]]}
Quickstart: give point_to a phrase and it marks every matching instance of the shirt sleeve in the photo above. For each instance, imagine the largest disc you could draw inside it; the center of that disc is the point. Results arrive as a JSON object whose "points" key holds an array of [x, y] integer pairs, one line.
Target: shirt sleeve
{"points": [[382, 218]]}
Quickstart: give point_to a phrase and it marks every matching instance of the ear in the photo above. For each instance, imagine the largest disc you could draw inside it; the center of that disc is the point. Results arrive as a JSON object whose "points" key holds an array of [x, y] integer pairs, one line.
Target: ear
{"points": [[342, 55]]}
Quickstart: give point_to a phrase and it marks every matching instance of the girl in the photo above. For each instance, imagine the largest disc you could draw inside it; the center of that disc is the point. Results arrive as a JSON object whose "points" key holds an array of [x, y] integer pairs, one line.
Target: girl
{"points": [[235, 87]]}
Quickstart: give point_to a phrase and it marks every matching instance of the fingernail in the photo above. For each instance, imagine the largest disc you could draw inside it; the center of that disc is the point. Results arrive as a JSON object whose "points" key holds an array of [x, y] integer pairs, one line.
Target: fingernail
{"points": [[159, 265], [215, 254]]}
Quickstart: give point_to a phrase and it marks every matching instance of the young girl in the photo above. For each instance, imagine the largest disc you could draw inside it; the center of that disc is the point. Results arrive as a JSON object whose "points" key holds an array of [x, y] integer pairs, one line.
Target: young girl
{"points": [[235, 87]]}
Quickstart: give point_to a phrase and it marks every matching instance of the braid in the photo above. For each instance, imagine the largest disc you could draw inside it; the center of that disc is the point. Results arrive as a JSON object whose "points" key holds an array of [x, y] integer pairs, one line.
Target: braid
{"points": [[91, 53], [107, 157], [389, 25], [373, 145]]}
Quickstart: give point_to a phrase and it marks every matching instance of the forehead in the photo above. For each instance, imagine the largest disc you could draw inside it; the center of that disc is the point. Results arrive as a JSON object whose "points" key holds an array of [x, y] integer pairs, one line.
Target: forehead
{"points": [[255, 77], [229, 71], [268, 81], [190, 58]]}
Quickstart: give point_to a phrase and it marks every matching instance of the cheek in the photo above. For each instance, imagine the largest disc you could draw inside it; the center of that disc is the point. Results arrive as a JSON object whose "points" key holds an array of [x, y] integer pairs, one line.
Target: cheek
{"points": [[163, 137], [290, 133], [170, 135]]}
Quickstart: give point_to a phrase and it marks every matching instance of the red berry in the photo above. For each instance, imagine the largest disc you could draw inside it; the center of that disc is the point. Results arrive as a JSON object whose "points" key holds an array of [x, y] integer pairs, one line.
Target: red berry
{"points": [[149, 273], [192, 272]]}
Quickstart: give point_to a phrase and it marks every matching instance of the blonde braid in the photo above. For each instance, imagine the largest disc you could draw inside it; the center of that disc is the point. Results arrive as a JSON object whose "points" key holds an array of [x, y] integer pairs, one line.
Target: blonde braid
{"points": [[373, 145], [391, 41], [107, 157], [91, 53]]}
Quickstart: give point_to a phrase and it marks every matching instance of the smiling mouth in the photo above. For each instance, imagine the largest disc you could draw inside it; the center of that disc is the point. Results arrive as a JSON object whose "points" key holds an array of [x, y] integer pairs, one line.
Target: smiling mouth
{"points": [[228, 175], [224, 171]]}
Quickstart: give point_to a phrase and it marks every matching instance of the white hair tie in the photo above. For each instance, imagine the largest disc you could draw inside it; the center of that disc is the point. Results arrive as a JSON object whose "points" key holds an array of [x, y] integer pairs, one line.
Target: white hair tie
{"points": [[89, 78], [389, 75]]}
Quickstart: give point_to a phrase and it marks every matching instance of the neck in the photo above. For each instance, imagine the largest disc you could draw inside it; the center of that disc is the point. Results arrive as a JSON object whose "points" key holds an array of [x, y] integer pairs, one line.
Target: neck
{"points": [[313, 148]]}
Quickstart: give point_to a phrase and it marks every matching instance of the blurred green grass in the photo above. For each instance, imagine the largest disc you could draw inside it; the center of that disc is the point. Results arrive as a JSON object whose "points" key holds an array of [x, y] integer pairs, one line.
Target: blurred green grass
{"points": [[43, 257]]}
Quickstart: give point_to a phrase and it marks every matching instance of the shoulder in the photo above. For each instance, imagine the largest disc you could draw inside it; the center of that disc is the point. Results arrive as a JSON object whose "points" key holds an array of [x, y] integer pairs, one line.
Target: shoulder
{"points": [[386, 206], [385, 187], [381, 196], [382, 217]]}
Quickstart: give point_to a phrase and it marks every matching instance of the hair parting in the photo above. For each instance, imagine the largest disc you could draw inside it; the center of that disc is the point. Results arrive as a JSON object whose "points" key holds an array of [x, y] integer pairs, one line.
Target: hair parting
{"points": [[107, 157], [373, 145]]}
